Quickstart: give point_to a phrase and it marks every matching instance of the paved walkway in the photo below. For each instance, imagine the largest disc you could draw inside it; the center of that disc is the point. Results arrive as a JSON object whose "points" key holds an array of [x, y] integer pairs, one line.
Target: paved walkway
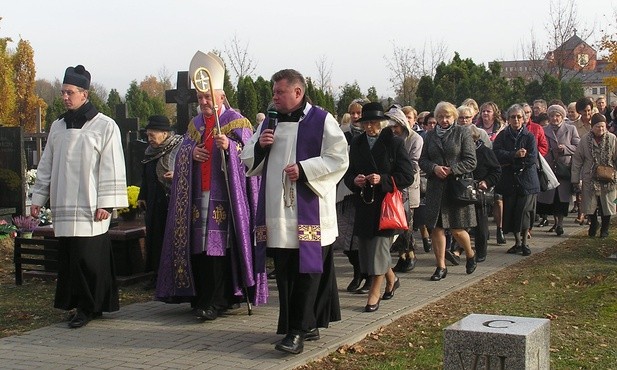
{"points": [[155, 335]]}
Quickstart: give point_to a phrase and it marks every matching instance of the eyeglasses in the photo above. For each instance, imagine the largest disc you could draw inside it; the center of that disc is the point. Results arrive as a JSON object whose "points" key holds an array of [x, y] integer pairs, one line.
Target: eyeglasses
{"points": [[516, 116], [68, 92]]}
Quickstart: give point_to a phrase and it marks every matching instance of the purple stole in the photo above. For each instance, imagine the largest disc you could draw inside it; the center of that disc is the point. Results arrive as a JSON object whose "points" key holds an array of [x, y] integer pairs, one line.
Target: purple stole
{"points": [[308, 145]]}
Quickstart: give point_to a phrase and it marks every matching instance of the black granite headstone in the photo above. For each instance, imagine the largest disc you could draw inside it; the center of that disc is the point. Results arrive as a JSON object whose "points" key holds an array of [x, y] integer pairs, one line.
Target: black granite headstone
{"points": [[129, 127], [12, 169], [134, 168], [182, 96]]}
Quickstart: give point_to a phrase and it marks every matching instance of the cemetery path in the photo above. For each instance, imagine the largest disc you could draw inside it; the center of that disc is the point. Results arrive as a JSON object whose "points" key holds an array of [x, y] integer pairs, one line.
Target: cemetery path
{"points": [[155, 335]]}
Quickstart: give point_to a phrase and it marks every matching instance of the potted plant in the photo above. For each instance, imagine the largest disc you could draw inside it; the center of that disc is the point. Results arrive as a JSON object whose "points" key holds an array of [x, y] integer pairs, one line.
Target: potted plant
{"points": [[25, 225]]}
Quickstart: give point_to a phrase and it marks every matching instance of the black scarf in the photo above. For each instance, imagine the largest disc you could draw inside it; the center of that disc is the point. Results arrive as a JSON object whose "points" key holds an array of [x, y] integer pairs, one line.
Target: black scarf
{"points": [[77, 118]]}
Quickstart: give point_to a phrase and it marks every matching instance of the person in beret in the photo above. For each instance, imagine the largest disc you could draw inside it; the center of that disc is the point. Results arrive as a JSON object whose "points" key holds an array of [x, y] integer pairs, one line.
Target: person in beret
{"points": [[155, 187], [598, 147], [82, 174]]}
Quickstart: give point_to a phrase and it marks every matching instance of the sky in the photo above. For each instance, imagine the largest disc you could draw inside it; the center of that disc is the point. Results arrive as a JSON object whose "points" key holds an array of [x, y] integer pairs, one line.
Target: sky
{"points": [[119, 41]]}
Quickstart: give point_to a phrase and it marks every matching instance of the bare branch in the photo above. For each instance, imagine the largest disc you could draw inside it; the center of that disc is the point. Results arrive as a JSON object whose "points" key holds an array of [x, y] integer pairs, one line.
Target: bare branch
{"points": [[240, 61], [324, 74]]}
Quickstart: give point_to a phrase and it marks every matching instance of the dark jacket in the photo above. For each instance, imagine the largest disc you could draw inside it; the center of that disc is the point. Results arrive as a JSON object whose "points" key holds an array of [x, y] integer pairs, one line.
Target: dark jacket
{"points": [[518, 175], [389, 159], [487, 168], [458, 151]]}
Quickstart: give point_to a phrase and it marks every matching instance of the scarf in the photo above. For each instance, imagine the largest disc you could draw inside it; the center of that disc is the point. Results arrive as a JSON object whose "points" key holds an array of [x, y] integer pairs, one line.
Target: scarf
{"points": [[163, 154], [601, 155], [77, 118], [442, 131]]}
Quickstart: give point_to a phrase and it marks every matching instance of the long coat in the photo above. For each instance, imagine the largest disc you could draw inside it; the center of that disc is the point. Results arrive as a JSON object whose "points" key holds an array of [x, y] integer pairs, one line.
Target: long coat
{"points": [[389, 159], [518, 175], [458, 151], [583, 170], [566, 135]]}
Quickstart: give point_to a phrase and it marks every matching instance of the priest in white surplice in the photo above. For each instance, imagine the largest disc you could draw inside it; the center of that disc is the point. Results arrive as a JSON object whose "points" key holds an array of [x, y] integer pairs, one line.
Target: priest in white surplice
{"points": [[301, 156], [82, 173]]}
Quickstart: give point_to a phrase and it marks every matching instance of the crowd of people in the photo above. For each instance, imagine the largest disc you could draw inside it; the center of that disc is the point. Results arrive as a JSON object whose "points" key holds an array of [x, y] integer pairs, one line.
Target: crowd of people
{"points": [[225, 196]]}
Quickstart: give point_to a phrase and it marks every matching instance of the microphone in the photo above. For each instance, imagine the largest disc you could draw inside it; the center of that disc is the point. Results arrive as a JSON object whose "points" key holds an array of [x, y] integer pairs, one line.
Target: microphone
{"points": [[272, 119]]}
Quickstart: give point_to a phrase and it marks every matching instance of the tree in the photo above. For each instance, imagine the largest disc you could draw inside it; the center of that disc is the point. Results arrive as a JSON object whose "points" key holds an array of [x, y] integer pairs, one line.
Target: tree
{"points": [[349, 92], [7, 85], [230, 91], [142, 106], [28, 103], [54, 110], [324, 74], [247, 98], [425, 93], [113, 99], [239, 59], [372, 94], [609, 45], [263, 89]]}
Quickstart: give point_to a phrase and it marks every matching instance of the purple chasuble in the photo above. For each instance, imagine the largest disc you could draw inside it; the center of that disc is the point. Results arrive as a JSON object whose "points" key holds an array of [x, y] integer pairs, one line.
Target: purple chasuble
{"points": [[310, 130]]}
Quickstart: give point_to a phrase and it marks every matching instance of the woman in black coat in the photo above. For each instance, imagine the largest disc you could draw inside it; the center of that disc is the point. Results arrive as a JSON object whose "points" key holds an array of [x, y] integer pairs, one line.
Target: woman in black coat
{"points": [[154, 191], [517, 152], [376, 158]]}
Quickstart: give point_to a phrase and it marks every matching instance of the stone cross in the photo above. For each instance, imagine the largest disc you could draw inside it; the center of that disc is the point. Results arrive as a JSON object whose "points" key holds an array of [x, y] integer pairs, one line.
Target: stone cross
{"points": [[182, 96], [129, 127]]}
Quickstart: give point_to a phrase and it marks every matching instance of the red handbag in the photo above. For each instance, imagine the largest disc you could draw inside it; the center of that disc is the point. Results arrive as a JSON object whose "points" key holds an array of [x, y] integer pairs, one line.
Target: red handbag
{"points": [[392, 211]]}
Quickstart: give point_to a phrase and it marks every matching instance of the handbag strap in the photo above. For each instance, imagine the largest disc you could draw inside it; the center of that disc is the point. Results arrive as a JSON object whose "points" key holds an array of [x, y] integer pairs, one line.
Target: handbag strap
{"points": [[394, 188]]}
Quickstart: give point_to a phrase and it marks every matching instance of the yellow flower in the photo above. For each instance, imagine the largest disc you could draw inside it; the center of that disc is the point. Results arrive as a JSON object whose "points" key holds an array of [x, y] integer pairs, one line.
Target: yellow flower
{"points": [[132, 193]]}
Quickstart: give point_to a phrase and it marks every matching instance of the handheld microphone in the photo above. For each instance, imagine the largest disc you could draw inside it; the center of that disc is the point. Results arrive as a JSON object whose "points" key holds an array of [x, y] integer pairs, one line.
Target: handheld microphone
{"points": [[272, 119]]}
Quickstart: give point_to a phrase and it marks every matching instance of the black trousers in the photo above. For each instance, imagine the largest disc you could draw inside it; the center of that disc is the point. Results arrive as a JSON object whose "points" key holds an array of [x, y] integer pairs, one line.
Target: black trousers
{"points": [[86, 275], [481, 234], [213, 283], [307, 301]]}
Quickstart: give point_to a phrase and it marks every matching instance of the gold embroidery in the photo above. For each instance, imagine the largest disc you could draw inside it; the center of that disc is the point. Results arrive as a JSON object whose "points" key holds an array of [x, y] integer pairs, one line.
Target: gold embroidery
{"points": [[309, 233], [237, 123], [195, 213], [180, 236], [219, 215], [261, 234], [192, 132]]}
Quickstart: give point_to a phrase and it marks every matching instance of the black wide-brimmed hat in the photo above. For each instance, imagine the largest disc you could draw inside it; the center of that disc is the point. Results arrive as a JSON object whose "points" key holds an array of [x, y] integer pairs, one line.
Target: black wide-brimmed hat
{"points": [[160, 123], [372, 112]]}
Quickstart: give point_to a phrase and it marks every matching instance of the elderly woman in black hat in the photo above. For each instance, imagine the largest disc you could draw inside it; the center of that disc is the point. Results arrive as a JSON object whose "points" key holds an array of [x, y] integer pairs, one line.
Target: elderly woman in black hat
{"points": [[377, 161], [156, 182]]}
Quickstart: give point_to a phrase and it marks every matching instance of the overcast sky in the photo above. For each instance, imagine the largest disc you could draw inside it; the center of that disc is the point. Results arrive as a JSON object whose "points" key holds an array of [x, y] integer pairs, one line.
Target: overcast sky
{"points": [[119, 41]]}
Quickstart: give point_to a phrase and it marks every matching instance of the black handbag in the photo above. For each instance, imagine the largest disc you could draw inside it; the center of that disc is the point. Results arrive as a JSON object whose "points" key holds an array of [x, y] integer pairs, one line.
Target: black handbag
{"points": [[462, 189], [561, 170]]}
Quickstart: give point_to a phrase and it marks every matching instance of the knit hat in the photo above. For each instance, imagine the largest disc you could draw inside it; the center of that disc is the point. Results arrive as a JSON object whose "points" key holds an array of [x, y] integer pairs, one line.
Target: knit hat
{"points": [[160, 123], [77, 76], [597, 118], [557, 109]]}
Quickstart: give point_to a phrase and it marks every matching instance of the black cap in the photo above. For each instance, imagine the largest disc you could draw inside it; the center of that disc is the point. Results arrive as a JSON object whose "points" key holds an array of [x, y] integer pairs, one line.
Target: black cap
{"points": [[158, 122], [77, 76]]}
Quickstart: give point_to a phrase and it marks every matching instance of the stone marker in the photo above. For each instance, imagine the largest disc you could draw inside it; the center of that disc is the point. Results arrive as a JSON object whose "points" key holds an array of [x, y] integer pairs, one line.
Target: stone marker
{"points": [[12, 169], [497, 342]]}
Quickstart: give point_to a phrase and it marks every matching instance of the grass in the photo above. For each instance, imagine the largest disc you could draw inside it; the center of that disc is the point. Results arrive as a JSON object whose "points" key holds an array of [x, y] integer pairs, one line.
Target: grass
{"points": [[573, 284]]}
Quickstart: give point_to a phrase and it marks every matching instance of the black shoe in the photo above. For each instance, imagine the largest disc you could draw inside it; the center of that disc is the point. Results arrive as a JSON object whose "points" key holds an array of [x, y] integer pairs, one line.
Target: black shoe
{"points": [[501, 239], [372, 307], [366, 287], [543, 222], [552, 228], [354, 284], [411, 264], [470, 265], [453, 258], [399, 265], [593, 226], [516, 249], [559, 230], [480, 258], [209, 313], [292, 343], [272, 274], [389, 295], [312, 335], [526, 250], [440, 273], [426, 243], [80, 319]]}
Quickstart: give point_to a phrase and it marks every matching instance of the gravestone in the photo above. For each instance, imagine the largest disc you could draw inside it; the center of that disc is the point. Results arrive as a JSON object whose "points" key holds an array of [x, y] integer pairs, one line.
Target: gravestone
{"points": [[134, 168], [129, 127], [12, 169], [182, 96], [497, 342]]}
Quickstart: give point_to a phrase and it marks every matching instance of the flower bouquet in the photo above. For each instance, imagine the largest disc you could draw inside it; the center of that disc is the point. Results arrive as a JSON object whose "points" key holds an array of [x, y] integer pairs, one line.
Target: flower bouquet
{"points": [[25, 225], [7, 230]]}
